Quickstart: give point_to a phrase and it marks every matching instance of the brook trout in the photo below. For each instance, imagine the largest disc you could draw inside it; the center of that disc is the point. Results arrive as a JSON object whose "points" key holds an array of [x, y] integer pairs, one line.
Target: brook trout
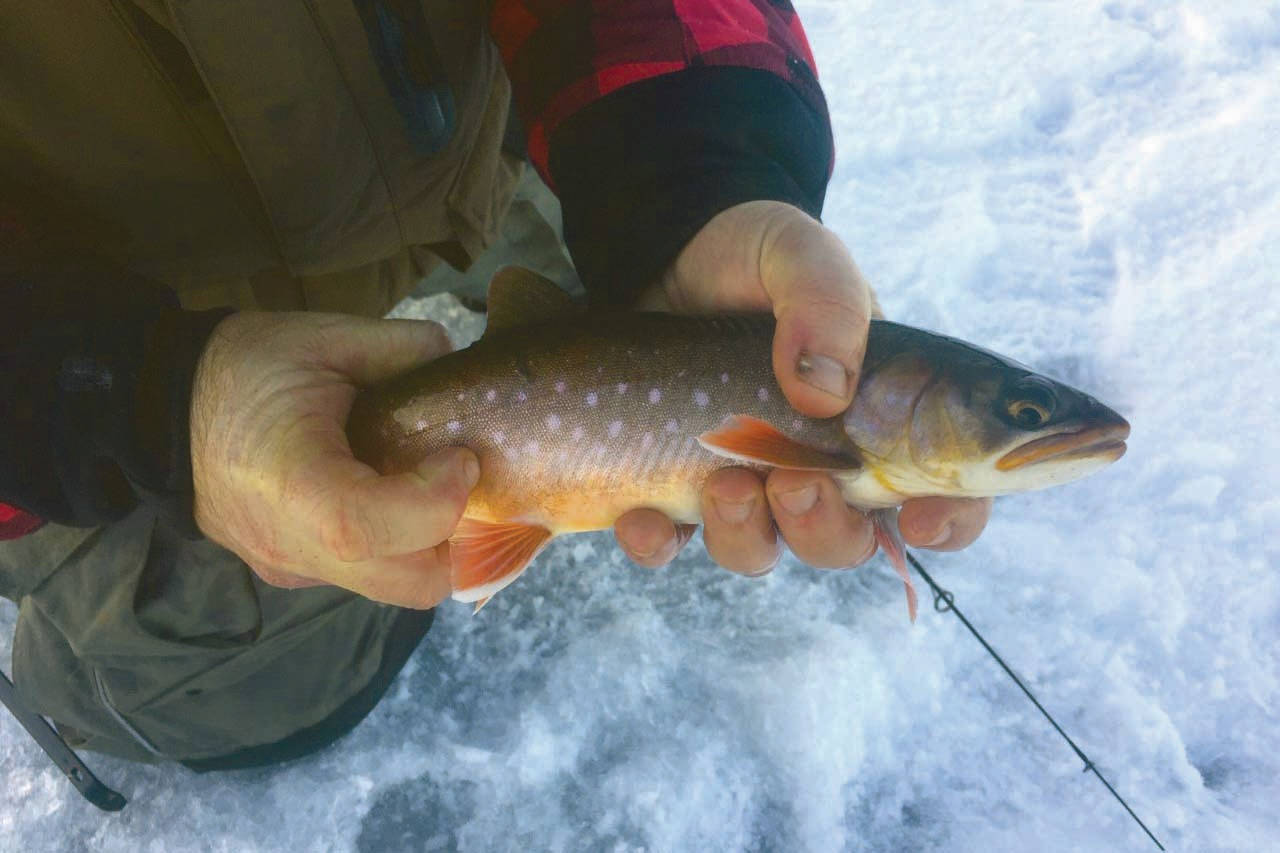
{"points": [[579, 417]]}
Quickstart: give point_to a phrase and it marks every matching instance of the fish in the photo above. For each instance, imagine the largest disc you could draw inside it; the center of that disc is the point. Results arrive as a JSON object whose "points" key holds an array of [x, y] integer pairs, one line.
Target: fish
{"points": [[579, 416]]}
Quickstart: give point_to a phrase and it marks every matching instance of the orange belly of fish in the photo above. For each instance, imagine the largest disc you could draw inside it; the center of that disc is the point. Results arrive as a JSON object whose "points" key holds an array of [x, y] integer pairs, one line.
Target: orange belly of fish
{"points": [[591, 503]]}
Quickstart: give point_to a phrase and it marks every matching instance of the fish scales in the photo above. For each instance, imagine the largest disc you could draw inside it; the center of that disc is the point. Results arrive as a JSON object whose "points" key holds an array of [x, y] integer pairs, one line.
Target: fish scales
{"points": [[575, 423]]}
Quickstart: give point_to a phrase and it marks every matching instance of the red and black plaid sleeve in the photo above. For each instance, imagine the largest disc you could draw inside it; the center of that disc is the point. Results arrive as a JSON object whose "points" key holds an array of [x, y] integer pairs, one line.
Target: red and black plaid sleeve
{"points": [[648, 117], [562, 55]]}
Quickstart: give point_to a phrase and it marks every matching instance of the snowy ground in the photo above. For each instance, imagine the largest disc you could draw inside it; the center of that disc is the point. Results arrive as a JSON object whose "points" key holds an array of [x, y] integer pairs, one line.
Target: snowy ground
{"points": [[1089, 187]]}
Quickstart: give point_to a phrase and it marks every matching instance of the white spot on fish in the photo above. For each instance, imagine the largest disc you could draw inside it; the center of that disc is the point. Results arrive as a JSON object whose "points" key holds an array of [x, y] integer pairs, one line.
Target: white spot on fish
{"points": [[560, 387], [577, 433], [724, 379], [521, 396], [499, 436], [797, 424], [672, 426], [762, 394], [622, 387], [679, 375], [461, 396], [592, 399], [700, 399], [421, 424], [553, 422], [453, 426], [405, 417], [614, 428], [491, 395], [654, 395]]}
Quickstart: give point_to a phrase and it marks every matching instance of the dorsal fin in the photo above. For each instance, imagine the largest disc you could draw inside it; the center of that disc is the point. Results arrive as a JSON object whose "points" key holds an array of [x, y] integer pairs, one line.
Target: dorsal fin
{"points": [[521, 297]]}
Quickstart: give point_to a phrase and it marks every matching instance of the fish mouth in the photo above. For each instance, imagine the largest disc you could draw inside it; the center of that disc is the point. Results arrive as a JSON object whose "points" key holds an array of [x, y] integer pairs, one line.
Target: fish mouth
{"points": [[1105, 442]]}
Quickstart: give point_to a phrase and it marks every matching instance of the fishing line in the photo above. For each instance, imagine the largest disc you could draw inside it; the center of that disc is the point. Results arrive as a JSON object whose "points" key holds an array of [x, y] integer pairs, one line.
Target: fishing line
{"points": [[943, 600]]}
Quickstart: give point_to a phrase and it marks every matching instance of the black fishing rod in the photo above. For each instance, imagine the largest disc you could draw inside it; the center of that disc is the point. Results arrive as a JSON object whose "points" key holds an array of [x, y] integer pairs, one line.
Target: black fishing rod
{"points": [[943, 601], [89, 786]]}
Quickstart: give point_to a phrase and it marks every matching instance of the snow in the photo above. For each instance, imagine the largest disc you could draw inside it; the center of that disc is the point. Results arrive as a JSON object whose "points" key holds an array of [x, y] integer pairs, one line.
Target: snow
{"points": [[1087, 187]]}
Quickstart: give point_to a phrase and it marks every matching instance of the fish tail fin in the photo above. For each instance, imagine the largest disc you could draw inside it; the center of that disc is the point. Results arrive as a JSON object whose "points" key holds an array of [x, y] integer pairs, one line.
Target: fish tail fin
{"points": [[889, 538], [487, 556]]}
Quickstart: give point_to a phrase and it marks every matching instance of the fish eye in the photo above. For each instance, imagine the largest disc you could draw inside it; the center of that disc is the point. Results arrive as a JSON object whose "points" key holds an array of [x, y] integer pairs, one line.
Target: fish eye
{"points": [[1027, 414], [1030, 405]]}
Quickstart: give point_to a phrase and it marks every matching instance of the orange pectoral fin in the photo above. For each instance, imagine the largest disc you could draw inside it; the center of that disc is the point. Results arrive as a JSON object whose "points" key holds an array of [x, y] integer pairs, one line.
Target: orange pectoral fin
{"points": [[487, 556], [754, 441], [890, 540]]}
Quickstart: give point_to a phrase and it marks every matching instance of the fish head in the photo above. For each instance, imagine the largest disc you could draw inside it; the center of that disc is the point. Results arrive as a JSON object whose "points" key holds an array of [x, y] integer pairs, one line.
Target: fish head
{"points": [[942, 417]]}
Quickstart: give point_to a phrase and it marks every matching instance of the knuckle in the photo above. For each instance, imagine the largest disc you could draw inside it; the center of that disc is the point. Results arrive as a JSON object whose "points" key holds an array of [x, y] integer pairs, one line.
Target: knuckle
{"points": [[734, 485], [447, 513], [346, 534], [437, 339], [447, 498]]}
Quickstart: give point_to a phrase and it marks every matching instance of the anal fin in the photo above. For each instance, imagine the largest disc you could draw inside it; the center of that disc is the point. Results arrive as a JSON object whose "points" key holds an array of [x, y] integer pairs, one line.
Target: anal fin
{"points": [[751, 440], [488, 555], [890, 540]]}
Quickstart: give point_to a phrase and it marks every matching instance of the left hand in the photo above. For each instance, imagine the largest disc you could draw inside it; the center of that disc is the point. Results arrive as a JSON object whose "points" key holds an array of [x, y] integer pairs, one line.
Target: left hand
{"points": [[771, 256]]}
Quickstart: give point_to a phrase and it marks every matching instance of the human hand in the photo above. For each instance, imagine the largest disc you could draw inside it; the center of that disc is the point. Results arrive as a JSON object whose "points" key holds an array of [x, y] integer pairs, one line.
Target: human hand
{"points": [[771, 256], [274, 477]]}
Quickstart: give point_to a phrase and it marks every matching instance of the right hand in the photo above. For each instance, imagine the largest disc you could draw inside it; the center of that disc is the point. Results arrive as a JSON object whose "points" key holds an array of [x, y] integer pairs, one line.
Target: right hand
{"points": [[275, 481], [770, 256]]}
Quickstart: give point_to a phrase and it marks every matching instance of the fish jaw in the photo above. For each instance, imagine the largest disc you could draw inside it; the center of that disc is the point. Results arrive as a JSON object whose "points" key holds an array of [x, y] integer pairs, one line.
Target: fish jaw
{"points": [[938, 417], [1104, 443]]}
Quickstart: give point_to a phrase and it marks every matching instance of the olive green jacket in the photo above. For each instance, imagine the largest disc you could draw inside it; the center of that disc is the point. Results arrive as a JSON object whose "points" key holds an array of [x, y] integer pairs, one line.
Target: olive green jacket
{"points": [[247, 154]]}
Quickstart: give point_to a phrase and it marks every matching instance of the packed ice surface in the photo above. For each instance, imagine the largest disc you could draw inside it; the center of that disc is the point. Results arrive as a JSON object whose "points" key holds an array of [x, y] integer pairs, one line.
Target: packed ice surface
{"points": [[1089, 187]]}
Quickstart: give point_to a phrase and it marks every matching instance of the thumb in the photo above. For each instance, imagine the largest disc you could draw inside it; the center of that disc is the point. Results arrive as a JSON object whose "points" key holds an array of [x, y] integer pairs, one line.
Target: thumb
{"points": [[367, 350], [823, 307], [376, 516]]}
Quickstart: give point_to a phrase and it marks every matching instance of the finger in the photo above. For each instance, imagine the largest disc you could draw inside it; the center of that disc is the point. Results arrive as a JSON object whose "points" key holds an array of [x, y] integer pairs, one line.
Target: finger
{"points": [[419, 581], [823, 308], [818, 526], [282, 579], [651, 539], [736, 526], [943, 524], [371, 516], [368, 351]]}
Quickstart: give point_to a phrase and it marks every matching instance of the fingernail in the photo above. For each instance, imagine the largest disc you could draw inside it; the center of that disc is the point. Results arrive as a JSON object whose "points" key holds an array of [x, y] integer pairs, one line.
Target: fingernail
{"points": [[943, 536], [799, 501], [734, 512], [642, 553], [470, 470], [664, 552], [824, 373], [773, 564]]}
